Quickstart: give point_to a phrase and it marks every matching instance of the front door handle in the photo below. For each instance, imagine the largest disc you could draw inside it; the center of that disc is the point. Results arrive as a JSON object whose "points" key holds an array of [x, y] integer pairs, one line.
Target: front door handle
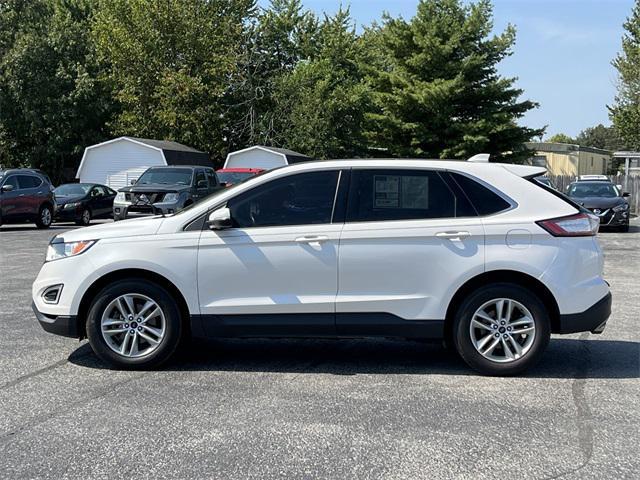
{"points": [[312, 239], [453, 235]]}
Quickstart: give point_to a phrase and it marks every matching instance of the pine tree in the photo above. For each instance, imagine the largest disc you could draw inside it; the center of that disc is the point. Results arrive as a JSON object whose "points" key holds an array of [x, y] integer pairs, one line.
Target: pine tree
{"points": [[437, 90], [625, 113]]}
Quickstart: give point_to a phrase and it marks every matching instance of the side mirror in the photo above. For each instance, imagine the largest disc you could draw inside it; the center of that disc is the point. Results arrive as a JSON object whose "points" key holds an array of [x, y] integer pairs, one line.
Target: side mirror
{"points": [[220, 219], [619, 187], [7, 188], [626, 194], [133, 182], [202, 184], [224, 184]]}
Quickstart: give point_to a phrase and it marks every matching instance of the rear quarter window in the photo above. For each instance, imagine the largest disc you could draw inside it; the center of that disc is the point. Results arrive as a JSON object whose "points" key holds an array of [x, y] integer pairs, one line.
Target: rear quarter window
{"points": [[485, 201]]}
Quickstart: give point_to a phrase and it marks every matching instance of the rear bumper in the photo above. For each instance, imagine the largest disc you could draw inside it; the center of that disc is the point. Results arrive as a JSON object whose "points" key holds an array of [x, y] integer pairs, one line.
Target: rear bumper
{"points": [[64, 325], [593, 319]]}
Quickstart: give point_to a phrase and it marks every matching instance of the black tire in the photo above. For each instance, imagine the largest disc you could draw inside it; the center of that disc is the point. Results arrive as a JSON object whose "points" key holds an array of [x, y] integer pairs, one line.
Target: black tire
{"points": [[624, 228], [173, 324], [462, 335], [45, 217], [85, 218]]}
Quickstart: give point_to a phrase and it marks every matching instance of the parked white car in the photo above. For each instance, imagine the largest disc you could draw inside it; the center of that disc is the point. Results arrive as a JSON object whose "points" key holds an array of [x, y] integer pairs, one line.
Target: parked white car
{"points": [[476, 253]]}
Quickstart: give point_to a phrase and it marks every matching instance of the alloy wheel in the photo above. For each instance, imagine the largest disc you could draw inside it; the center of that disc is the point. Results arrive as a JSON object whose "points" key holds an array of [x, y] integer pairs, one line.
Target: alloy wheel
{"points": [[45, 216], [133, 325], [502, 330]]}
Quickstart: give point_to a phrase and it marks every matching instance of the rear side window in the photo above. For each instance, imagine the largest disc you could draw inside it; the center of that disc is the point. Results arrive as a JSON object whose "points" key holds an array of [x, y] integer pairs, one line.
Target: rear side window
{"points": [[29, 181], [382, 195], [302, 199], [484, 200]]}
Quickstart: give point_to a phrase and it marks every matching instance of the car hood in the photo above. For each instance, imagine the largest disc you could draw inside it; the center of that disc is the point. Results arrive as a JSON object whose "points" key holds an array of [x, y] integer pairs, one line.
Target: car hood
{"points": [[599, 202], [155, 187], [62, 199], [135, 227]]}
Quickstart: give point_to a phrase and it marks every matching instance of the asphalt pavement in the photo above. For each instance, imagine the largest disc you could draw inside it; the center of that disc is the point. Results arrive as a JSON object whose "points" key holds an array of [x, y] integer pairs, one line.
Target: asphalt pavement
{"points": [[237, 409]]}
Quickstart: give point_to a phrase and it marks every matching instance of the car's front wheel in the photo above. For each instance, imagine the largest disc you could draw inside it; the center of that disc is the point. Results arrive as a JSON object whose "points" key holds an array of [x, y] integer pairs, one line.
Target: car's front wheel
{"points": [[501, 329], [134, 324]]}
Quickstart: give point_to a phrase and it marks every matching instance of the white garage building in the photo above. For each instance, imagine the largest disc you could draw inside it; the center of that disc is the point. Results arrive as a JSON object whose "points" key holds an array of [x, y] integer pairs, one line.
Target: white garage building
{"points": [[116, 162], [263, 157]]}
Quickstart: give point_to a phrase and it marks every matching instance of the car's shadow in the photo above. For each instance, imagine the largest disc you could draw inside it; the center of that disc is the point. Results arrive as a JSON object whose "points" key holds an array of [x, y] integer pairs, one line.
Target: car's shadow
{"points": [[565, 358], [23, 228]]}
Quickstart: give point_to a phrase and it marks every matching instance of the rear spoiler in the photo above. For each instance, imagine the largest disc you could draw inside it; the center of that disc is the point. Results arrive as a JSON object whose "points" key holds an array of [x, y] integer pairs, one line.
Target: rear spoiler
{"points": [[524, 171]]}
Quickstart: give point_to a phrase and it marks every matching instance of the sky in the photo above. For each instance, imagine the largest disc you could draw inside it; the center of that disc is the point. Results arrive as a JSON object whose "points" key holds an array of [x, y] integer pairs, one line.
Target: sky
{"points": [[562, 57]]}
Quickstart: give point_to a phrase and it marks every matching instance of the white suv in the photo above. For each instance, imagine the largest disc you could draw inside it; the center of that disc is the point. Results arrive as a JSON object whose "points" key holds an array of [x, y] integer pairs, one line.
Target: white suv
{"points": [[475, 253]]}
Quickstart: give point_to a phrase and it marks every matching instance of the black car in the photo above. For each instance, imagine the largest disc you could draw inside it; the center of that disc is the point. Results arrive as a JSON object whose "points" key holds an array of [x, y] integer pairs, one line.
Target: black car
{"points": [[604, 199], [165, 190], [26, 195], [81, 202]]}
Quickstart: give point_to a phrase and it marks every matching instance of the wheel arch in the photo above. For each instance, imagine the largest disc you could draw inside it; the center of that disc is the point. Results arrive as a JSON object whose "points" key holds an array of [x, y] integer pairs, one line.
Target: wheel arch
{"points": [[127, 274], [503, 276]]}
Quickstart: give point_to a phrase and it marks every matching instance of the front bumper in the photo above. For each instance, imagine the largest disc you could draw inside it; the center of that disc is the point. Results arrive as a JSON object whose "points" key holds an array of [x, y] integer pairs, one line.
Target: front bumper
{"points": [[593, 319], [122, 211], [64, 325], [610, 218]]}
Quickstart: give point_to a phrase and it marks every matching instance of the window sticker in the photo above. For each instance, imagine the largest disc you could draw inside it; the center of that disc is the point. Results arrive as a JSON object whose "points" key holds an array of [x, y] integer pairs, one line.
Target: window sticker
{"points": [[386, 192], [395, 191], [415, 192]]}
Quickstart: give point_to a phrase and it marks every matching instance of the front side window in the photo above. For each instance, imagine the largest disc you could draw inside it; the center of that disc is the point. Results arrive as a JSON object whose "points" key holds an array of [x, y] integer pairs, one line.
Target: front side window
{"points": [[381, 195], [200, 178], [212, 178], [13, 181], [302, 199]]}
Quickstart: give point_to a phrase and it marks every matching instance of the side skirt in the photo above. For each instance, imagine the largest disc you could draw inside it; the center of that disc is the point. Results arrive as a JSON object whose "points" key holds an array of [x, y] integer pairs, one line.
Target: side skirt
{"points": [[314, 325]]}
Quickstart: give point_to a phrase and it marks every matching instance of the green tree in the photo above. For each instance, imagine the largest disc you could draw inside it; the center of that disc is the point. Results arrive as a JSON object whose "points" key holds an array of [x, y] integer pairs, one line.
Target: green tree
{"points": [[600, 136], [561, 138], [319, 107], [172, 64], [625, 112], [51, 105], [280, 37], [437, 90]]}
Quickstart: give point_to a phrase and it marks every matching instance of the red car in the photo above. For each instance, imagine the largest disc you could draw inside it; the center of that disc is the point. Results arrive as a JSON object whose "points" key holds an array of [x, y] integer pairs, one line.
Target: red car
{"points": [[233, 176]]}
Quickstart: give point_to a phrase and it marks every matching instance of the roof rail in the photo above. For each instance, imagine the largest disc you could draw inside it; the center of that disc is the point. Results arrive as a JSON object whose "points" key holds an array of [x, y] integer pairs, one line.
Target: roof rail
{"points": [[481, 157]]}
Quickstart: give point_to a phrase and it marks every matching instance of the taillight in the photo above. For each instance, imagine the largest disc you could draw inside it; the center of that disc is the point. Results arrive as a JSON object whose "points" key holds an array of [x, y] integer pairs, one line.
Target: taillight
{"points": [[579, 225]]}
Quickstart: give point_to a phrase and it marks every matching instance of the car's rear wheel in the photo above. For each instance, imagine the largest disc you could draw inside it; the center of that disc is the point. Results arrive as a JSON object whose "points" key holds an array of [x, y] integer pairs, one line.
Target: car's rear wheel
{"points": [[45, 217], [501, 329], [134, 324], [85, 218]]}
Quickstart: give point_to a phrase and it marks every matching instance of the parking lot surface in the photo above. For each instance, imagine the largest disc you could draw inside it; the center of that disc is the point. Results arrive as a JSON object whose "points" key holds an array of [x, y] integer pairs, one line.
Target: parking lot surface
{"points": [[316, 408]]}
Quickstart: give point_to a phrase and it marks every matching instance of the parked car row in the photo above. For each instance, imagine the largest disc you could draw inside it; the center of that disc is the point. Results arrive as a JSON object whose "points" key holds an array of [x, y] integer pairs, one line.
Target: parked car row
{"points": [[27, 195]]}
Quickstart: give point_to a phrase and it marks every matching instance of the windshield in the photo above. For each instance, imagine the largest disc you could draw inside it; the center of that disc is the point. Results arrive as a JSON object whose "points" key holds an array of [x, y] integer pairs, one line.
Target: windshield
{"points": [[234, 177], [166, 176], [72, 189], [593, 189]]}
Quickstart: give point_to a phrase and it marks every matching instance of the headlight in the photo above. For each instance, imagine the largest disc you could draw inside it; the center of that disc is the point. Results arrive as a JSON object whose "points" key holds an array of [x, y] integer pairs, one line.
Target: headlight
{"points": [[171, 197], [120, 197], [68, 206], [621, 208], [59, 250]]}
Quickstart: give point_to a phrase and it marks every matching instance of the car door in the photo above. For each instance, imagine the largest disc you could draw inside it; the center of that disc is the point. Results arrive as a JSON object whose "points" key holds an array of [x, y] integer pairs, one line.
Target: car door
{"points": [[100, 203], [32, 194], [11, 201], [408, 239], [212, 178], [275, 271]]}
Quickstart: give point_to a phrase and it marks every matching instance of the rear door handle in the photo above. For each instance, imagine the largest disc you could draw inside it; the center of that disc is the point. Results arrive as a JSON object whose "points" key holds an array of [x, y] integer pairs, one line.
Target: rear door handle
{"points": [[312, 239], [453, 235]]}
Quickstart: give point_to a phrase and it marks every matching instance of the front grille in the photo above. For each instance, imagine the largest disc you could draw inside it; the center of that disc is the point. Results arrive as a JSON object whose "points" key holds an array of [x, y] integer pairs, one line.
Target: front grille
{"points": [[605, 214], [152, 197]]}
